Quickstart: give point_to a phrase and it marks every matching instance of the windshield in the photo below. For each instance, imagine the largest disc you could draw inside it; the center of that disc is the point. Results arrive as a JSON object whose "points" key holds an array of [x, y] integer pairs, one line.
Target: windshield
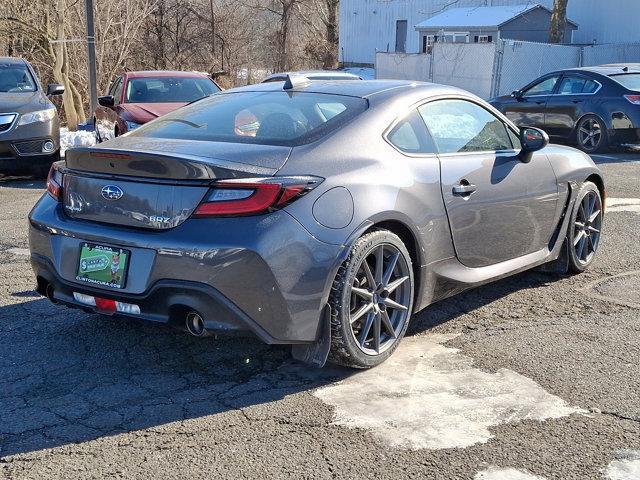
{"points": [[169, 89], [267, 118], [16, 78], [628, 80]]}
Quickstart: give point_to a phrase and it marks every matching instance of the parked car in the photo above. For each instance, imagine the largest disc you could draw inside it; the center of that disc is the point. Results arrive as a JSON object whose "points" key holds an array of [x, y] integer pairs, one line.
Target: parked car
{"points": [[595, 107], [29, 125], [134, 98], [324, 232], [313, 75]]}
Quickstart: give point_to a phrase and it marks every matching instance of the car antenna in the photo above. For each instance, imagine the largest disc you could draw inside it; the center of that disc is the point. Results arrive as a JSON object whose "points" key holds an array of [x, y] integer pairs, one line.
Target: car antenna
{"points": [[293, 81], [625, 69]]}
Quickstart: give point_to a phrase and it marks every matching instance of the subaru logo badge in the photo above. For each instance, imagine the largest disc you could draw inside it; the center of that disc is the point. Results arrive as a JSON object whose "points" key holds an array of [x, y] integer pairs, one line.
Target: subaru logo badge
{"points": [[112, 192]]}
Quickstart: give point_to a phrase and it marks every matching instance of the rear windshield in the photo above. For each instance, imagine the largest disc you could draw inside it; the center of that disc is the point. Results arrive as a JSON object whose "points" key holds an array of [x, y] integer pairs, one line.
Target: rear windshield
{"points": [[16, 78], [628, 80], [267, 118], [168, 89]]}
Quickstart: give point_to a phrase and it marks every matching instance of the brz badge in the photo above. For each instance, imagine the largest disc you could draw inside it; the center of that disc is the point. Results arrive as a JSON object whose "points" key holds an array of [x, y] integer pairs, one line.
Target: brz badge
{"points": [[112, 192]]}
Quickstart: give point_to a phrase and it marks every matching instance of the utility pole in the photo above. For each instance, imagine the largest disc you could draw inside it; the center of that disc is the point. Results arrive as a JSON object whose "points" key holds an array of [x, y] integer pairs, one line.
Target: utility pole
{"points": [[91, 58]]}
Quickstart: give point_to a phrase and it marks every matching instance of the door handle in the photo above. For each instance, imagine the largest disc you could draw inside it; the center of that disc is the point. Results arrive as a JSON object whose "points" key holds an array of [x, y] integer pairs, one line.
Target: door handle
{"points": [[464, 188]]}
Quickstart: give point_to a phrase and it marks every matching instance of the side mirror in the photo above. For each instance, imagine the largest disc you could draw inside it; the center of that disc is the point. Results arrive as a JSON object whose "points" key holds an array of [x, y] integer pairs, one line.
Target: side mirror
{"points": [[54, 89], [532, 140], [517, 94], [106, 101]]}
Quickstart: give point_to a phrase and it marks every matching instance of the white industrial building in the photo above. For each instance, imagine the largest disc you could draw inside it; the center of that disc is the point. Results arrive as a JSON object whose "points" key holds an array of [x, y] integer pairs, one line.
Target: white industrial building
{"points": [[370, 26]]}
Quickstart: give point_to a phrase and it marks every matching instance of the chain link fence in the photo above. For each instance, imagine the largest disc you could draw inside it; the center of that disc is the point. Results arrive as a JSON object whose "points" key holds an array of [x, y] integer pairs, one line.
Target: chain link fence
{"points": [[490, 70]]}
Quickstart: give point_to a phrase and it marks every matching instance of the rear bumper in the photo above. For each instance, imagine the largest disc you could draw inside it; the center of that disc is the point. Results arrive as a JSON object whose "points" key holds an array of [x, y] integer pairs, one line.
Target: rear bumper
{"points": [[264, 274], [167, 301]]}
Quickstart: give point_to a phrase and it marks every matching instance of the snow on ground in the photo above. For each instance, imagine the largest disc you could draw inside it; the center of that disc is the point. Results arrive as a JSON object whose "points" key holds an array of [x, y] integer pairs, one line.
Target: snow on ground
{"points": [[626, 466], [494, 473], [431, 396], [80, 138], [365, 73]]}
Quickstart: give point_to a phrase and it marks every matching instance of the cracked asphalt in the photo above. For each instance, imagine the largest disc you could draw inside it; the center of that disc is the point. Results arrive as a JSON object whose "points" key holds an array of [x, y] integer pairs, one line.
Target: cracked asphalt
{"points": [[85, 396]]}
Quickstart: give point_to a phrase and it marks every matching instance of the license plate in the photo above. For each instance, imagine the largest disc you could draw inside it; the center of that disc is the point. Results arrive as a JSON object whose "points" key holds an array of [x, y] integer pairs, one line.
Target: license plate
{"points": [[102, 265]]}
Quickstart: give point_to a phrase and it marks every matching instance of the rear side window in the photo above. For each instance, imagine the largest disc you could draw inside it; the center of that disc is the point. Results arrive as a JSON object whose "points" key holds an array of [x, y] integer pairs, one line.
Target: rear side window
{"points": [[575, 85], [267, 118], [571, 85], [628, 80], [411, 136], [462, 126]]}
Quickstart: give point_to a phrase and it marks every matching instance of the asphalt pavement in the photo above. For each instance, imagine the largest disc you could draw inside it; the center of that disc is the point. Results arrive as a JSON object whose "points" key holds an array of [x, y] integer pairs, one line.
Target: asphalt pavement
{"points": [[533, 377]]}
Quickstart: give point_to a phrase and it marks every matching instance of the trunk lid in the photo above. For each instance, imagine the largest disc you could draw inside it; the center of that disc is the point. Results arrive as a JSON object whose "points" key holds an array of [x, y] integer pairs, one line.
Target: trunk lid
{"points": [[156, 183]]}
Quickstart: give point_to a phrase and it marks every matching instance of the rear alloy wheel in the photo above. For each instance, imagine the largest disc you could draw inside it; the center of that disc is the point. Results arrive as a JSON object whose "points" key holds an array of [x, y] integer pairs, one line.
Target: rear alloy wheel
{"points": [[585, 228], [592, 134], [371, 301]]}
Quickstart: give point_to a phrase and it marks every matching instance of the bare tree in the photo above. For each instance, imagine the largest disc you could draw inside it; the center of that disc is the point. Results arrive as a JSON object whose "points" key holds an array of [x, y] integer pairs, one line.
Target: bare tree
{"points": [[558, 21], [321, 17]]}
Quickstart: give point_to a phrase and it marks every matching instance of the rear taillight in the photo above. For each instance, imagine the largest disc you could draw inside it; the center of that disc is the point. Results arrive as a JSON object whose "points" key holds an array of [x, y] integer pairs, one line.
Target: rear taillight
{"points": [[54, 182], [253, 196], [635, 99]]}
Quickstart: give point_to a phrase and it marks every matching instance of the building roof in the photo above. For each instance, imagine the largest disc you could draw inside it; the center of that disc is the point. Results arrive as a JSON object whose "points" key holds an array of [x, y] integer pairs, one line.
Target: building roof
{"points": [[479, 16]]}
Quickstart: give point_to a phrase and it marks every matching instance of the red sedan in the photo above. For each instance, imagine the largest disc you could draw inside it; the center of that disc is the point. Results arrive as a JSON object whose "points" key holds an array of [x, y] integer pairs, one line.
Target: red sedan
{"points": [[136, 98]]}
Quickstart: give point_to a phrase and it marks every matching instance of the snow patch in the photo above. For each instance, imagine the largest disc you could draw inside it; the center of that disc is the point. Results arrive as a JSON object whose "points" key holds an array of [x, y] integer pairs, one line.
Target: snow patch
{"points": [[626, 466], [427, 395], [495, 473], [622, 205], [80, 138]]}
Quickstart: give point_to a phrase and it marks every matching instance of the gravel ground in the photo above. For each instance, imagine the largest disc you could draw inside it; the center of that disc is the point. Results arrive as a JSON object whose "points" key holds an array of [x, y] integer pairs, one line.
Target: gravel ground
{"points": [[83, 396]]}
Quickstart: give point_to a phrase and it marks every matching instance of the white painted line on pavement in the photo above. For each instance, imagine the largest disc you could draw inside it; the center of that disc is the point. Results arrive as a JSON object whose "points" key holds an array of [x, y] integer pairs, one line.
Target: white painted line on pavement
{"points": [[495, 473], [19, 251], [626, 466], [622, 205], [427, 395]]}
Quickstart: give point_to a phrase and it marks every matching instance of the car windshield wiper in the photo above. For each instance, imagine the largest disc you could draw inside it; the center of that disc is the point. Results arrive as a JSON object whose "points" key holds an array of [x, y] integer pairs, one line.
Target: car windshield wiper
{"points": [[186, 122]]}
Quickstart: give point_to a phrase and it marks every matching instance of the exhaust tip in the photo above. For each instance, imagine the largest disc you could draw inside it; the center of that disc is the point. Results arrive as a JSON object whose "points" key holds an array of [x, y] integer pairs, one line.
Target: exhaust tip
{"points": [[49, 293], [195, 324]]}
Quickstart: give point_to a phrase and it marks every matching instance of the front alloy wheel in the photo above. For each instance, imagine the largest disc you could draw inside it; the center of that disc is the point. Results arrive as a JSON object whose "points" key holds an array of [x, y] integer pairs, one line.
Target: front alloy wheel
{"points": [[371, 301]]}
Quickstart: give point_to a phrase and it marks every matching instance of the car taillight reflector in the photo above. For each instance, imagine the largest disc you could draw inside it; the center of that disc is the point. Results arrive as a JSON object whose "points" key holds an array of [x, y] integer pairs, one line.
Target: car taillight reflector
{"points": [[54, 182], [106, 305], [635, 99], [253, 196]]}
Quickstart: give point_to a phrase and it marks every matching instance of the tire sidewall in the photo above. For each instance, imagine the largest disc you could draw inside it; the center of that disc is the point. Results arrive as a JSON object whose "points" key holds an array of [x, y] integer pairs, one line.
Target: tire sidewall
{"points": [[575, 265], [360, 251]]}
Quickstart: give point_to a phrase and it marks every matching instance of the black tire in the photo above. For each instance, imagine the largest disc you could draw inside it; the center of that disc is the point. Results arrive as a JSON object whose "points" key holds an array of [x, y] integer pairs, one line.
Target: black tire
{"points": [[591, 134], [346, 349], [583, 234]]}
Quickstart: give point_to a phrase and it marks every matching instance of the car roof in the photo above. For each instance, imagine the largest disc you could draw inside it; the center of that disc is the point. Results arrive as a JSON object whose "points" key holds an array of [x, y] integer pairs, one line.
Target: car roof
{"points": [[362, 88], [608, 70], [316, 74], [164, 73], [13, 61]]}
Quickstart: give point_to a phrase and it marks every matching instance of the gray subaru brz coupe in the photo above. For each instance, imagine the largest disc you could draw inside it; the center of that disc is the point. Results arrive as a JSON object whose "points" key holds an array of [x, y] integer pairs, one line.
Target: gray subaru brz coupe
{"points": [[316, 214]]}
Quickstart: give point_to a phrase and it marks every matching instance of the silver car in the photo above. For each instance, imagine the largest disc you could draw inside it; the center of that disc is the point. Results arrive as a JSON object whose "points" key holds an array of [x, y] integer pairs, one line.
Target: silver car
{"points": [[316, 214], [29, 125]]}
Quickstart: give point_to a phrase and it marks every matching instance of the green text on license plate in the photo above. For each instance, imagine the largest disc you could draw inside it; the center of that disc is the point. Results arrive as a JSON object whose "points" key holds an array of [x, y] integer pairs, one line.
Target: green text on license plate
{"points": [[102, 265]]}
